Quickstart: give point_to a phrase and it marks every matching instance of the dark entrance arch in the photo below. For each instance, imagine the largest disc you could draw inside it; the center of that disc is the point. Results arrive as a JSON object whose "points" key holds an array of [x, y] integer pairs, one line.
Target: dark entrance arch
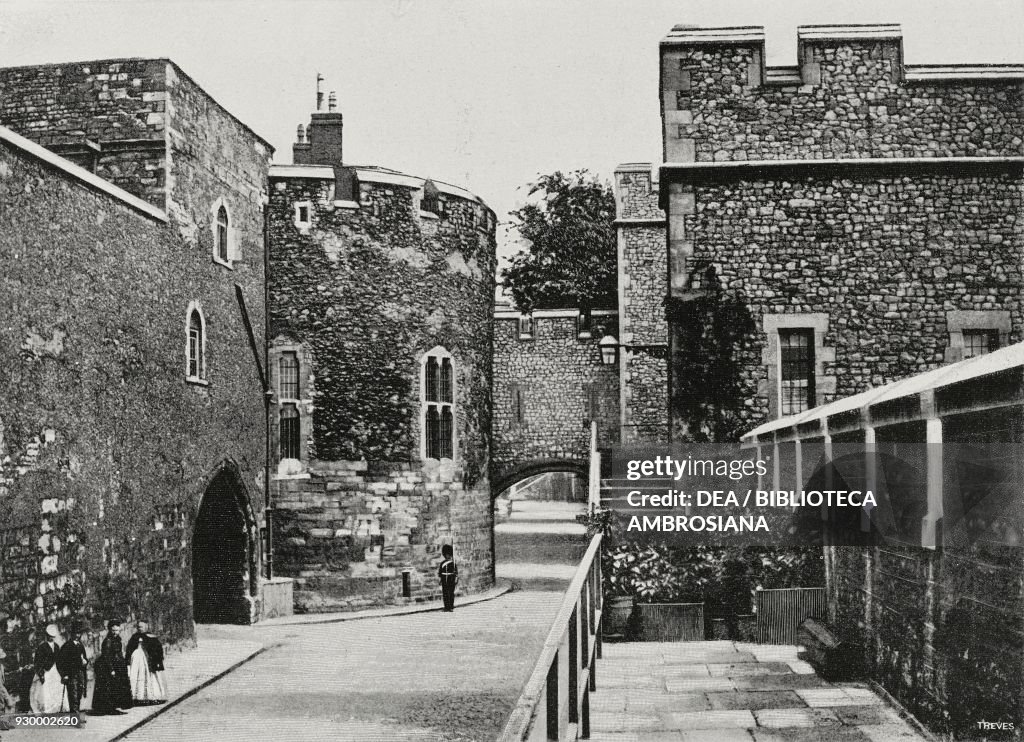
{"points": [[505, 479], [222, 553]]}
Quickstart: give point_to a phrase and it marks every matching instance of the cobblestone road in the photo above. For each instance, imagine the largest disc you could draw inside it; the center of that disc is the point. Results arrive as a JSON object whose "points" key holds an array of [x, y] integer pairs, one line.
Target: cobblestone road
{"points": [[427, 676]]}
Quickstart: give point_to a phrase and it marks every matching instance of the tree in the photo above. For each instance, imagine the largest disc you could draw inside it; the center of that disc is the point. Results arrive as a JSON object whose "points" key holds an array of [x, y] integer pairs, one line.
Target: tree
{"points": [[570, 259]]}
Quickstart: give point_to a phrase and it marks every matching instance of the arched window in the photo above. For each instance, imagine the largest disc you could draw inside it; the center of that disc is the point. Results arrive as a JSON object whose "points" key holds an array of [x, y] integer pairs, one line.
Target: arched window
{"points": [[288, 370], [222, 234], [438, 405], [195, 344]]}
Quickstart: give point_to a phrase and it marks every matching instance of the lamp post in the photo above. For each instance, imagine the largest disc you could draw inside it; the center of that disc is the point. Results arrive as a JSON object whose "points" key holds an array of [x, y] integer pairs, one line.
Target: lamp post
{"points": [[609, 349]]}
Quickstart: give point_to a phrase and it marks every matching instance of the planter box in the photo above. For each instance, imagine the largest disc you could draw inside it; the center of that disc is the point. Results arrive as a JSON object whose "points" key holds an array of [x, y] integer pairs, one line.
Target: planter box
{"points": [[671, 622]]}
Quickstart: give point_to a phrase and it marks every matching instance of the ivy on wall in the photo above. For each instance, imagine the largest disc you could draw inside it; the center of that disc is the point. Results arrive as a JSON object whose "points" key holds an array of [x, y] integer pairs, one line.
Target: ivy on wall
{"points": [[710, 327]]}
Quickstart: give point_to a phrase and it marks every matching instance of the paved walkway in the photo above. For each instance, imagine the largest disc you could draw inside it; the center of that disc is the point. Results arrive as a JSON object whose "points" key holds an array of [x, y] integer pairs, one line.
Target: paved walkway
{"points": [[186, 672], [427, 676], [722, 691]]}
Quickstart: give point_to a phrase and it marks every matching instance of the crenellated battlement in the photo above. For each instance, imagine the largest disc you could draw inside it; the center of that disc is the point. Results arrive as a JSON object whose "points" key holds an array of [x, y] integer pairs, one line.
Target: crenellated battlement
{"points": [[850, 95]]}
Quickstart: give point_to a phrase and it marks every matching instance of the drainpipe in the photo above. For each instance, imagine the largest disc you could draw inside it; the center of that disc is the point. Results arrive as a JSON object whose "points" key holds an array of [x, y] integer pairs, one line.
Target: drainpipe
{"points": [[268, 394]]}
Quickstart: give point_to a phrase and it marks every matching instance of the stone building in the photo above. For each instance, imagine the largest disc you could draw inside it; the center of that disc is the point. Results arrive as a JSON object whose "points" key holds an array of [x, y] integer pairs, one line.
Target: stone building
{"points": [[550, 385], [132, 428], [832, 227], [380, 360], [858, 217]]}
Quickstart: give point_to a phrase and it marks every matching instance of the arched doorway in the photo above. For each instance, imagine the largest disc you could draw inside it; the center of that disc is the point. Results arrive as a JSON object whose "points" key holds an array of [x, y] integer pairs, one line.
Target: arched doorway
{"points": [[221, 554]]}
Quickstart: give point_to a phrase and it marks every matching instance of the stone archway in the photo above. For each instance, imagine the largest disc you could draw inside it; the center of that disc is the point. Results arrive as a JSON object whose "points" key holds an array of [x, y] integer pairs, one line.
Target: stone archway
{"points": [[504, 479], [222, 554]]}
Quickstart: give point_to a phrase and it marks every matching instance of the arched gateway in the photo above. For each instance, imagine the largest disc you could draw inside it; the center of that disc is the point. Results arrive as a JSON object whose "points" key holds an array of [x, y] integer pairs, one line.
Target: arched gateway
{"points": [[223, 555]]}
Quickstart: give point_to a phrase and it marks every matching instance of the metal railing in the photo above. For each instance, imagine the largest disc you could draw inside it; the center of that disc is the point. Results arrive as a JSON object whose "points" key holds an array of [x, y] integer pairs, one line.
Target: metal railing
{"points": [[555, 704]]}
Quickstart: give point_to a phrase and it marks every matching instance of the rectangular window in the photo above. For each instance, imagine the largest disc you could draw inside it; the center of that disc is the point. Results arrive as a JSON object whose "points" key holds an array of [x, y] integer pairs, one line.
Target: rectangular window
{"points": [[797, 377], [289, 432], [518, 405], [288, 386], [591, 402], [193, 352], [525, 326], [980, 342], [583, 325]]}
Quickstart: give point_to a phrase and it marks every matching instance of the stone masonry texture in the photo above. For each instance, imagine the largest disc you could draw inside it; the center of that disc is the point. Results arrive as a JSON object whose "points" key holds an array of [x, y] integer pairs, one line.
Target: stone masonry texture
{"points": [[557, 374], [106, 451], [363, 294], [879, 259], [643, 268]]}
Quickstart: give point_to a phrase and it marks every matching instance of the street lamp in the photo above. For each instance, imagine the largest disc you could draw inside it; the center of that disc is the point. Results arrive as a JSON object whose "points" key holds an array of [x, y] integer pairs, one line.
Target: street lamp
{"points": [[609, 349]]}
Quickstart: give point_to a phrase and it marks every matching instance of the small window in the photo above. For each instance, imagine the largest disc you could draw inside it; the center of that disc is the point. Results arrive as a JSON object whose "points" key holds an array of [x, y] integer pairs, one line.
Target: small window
{"points": [[431, 198], [288, 376], [438, 406], [525, 326], [518, 404], [303, 215], [591, 402], [195, 362], [980, 342], [223, 253], [583, 324], [797, 377], [289, 432]]}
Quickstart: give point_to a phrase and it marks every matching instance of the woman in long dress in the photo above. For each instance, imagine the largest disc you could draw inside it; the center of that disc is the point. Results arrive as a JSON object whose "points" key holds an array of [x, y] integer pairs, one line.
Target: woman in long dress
{"points": [[146, 669], [46, 695], [111, 691]]}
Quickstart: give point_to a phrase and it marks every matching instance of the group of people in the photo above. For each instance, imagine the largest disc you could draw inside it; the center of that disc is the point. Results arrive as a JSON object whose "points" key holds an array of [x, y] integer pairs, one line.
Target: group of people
{"points": [[124, 676]]}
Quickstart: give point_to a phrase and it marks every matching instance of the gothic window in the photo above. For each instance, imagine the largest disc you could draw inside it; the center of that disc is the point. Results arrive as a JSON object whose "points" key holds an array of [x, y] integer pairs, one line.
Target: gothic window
{"points": [[288, 376], [195, 344], [223, 254], [797, 370], [289, 432], [438, 405], [980, 342]]}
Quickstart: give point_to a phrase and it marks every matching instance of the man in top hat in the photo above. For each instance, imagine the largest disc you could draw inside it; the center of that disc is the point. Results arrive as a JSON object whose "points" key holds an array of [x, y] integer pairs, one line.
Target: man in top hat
{"points": [[47, 693], [72, 664]]}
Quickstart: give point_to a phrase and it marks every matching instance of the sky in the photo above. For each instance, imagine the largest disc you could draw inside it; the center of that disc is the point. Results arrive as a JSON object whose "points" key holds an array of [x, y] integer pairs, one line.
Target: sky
{"points": [[485, 94]]}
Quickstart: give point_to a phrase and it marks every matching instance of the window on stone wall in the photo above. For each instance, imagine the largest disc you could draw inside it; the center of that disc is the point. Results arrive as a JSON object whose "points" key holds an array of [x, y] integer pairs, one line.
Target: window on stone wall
{"points": [[438, 405], [223, 253], [195, 345], [797, 371], [526, 327], [592, 403], [518, 404], [980, 342], [289, 431], [288, 376], [303, 214], [431, 198], [583, 324]]}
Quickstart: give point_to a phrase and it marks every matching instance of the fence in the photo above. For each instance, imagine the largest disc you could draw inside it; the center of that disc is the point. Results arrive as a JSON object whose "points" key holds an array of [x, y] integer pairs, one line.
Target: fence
{"points": [[779, 612], [555, 704], [671, 622]]}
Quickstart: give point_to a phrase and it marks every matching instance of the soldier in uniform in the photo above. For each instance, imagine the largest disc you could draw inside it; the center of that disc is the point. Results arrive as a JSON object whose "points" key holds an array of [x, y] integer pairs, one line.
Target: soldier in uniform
{"points": [[448, 573]]}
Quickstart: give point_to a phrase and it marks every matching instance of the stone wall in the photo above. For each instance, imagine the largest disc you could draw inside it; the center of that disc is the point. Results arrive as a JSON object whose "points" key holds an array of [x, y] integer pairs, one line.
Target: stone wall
{"points": [[105, 448], [118, 105], [851, 99], [878, 258], [561, 381], [643, 276], [361, 291]]}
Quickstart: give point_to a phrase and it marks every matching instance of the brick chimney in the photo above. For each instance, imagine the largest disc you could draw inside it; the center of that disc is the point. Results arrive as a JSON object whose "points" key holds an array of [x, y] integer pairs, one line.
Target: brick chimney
{"points": [[323, 140]]}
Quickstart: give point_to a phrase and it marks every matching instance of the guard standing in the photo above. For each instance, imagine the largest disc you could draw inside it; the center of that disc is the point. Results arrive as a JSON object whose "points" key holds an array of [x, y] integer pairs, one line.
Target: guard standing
{"points": [[448, 573]]}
